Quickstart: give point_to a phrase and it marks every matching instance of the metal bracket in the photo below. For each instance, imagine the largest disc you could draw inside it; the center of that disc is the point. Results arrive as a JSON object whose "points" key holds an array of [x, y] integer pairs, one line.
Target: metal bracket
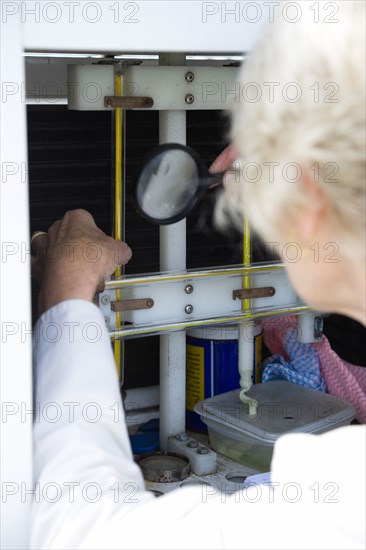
{"points": [[131, 305], [128, 102], [248, 293]]}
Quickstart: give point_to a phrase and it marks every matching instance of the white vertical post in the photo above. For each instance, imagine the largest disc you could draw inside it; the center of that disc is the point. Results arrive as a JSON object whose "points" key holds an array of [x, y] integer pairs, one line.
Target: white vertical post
{"points": [[246, 354], [172, 128], [15, 297]]}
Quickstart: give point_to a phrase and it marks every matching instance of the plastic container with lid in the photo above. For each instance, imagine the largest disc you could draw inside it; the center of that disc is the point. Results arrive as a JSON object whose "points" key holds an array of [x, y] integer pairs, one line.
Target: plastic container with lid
{"points": [[283, 407]]}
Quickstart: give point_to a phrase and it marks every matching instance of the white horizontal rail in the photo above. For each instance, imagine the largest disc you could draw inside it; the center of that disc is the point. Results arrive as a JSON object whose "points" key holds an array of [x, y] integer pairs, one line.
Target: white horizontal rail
{"points": [[197, 298], [140, 26]]}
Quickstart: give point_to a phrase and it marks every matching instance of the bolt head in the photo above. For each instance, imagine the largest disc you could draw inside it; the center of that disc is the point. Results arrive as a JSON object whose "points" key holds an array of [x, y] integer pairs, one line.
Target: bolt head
{"points": [[188, 309], [181, 437], [189, 76], [202, 451], [189, 99], [189, 289], [105, 300], [192, 444]]}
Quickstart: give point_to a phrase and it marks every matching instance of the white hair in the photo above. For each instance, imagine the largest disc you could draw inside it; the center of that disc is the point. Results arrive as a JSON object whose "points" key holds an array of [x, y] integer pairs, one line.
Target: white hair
{"points": [[303, 105]]}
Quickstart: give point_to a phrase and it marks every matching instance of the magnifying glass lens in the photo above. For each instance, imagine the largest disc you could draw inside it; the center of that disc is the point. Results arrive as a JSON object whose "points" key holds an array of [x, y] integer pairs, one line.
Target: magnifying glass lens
{"points": [[167, 184]]}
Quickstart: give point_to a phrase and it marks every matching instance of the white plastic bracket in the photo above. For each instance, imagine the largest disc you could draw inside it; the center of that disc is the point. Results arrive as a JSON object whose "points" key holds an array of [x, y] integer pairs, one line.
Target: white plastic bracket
{"points": [[197, 298], [203, 460], [185, 88], [170, 88]]}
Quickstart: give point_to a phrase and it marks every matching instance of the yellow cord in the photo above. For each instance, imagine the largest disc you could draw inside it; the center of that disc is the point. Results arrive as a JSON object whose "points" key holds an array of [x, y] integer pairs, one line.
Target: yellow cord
{"points": [[246, 259], [118, 210]]}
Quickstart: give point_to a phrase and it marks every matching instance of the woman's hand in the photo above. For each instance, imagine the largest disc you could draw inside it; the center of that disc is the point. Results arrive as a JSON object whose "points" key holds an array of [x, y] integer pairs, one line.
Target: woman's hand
{"points": [[223, 162], [74, 258]]}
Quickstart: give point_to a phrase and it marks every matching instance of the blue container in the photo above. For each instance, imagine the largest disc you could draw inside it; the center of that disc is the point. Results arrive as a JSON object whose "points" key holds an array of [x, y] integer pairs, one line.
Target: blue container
{"points": [[212, 365]]}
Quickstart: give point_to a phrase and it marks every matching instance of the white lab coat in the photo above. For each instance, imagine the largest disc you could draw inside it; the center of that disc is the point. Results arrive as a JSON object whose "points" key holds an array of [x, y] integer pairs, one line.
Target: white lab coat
{"points": [[90, 494]]}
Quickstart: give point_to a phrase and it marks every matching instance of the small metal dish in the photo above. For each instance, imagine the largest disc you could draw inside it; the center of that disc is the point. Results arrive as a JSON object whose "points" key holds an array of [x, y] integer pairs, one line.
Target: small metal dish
{"points": [[164, 467]]}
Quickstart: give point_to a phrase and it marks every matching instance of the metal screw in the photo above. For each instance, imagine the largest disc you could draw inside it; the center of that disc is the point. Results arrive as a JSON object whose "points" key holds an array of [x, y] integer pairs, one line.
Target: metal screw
{"points": [[105, 300], [181, 437], [189, 99], [189, 289], [192, 444], [188, 308], [202, 451], [189, 76], [150, 303]]}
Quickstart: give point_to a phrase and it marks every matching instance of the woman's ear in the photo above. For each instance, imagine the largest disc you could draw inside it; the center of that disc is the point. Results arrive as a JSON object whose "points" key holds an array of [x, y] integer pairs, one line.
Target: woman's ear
{"points": [[313, 217]]}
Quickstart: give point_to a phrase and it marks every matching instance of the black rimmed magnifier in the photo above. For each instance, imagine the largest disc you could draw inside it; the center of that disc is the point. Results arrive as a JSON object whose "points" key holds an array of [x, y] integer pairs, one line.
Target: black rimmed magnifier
{"points": [[171, 182]]}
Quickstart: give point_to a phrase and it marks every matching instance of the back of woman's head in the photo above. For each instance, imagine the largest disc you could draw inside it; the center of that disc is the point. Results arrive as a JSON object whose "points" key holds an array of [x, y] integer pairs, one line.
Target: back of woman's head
{"points": [[302, 109]]}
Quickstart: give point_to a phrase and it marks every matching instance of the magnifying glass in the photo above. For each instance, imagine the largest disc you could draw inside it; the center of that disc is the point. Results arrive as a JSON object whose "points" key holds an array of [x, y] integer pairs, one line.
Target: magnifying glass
{"points": [[172, 180]]}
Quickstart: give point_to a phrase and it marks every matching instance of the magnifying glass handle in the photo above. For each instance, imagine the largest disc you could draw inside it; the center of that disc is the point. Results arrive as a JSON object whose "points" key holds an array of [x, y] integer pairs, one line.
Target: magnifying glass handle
{"points": [[214, 180]]}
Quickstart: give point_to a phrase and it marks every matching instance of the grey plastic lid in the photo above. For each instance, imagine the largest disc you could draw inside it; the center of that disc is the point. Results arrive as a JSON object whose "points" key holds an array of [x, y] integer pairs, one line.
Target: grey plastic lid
{"points": [[283, 407]]}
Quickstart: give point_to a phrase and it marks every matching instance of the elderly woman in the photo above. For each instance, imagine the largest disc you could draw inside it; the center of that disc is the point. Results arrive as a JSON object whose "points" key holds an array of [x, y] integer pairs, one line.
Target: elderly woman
{"points": [[304, 137]]}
